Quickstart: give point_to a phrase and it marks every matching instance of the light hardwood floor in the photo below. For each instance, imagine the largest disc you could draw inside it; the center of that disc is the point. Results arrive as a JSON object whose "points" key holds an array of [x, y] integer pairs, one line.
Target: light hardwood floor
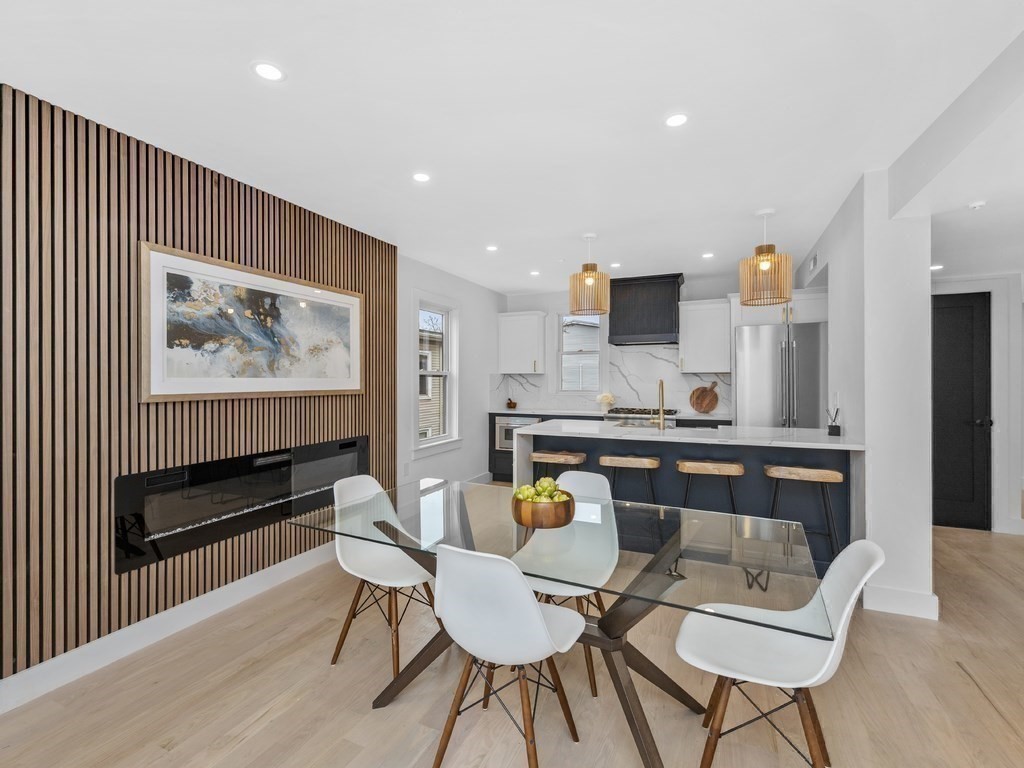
{"points": [[253, 687]]}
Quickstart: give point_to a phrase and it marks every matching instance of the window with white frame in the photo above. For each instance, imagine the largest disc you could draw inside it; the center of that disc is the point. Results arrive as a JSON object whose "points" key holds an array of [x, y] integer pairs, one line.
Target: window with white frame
{"points": [[435, 380], [580, 353]]}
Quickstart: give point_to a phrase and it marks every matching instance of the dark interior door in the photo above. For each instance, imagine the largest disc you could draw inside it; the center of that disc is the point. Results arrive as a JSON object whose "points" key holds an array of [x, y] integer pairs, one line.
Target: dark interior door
{"points": [[961, 411]]}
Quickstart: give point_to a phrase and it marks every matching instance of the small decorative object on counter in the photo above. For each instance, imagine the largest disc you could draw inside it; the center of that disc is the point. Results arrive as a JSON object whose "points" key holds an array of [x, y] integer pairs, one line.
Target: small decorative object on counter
{"points": [[607, 400], [704, 399], [511, 404], [543, 505], [834, 430]]}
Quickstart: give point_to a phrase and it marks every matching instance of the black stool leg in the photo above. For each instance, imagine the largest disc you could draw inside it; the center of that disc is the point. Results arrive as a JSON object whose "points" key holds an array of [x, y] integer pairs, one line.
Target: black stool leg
{"points": [[615, 480], [732, 494], [686, 493], [650, 486], [762, 577], [830, 520], [776, 499]]}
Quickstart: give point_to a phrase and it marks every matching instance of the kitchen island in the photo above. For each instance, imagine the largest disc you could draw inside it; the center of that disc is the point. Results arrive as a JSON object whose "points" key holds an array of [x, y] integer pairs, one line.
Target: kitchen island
{"points": [[754, 447]]}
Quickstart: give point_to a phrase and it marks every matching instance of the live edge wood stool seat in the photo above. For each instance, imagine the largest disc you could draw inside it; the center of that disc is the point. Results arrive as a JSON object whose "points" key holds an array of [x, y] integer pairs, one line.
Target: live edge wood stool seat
{"points": [[542, 461], [726, 469], [823, 477], [646, 463]]}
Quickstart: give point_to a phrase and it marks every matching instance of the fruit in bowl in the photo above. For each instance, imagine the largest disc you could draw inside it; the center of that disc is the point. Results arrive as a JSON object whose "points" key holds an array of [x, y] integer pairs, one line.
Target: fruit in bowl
{"points": [[542, 505]]}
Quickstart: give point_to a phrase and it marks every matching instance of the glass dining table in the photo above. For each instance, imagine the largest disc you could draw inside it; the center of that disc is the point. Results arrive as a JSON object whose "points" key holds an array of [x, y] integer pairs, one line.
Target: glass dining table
{"points": [[641, 556]]}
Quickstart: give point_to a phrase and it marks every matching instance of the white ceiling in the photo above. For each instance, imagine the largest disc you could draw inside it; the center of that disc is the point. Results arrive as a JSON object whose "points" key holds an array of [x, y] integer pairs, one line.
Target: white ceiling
{"points": [[989, 240], [538, 121]]}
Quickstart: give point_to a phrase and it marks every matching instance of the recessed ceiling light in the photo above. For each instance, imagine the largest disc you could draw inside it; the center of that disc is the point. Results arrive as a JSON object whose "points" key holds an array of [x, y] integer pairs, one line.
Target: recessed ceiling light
{"points": [[492, 247], [976, 205], [675, 121], [935, 267], [614, 266], [268, 71], [707, 256], [420, 177], [534, 273]]}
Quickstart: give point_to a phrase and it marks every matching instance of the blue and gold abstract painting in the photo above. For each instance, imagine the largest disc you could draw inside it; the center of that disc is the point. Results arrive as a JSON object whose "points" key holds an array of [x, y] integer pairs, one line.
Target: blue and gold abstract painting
{"points": [[218, 330]]}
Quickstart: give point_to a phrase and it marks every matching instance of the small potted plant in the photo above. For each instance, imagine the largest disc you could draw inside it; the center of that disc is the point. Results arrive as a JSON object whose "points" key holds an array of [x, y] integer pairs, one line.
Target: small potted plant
{"points": [[607, 400], [542, 505]]}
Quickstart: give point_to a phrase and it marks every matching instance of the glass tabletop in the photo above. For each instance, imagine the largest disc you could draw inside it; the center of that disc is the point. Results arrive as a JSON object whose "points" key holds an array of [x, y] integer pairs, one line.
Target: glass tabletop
{"points": [[736, 567]]}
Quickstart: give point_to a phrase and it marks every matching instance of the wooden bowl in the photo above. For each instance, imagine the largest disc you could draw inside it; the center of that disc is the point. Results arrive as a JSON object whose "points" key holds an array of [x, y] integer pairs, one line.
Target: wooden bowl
{"points": [[544, 514]]}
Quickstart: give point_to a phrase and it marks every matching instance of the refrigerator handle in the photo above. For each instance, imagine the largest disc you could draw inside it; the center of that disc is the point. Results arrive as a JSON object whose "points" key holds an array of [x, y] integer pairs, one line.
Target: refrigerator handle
{"points": [[794, 379], [783, 384]]}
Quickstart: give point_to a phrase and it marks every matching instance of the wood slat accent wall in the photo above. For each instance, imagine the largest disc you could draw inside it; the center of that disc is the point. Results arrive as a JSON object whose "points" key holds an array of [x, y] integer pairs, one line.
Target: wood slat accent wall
{"points": [[75, 200]]}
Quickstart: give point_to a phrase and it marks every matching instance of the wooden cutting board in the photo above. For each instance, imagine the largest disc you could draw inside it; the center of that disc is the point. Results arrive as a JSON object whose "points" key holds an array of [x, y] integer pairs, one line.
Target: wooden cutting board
{"points": [[704, 399]]}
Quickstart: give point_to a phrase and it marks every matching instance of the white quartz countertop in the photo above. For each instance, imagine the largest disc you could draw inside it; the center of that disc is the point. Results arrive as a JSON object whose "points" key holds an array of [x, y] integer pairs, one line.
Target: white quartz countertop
{"points": [[770, 436], [600, 414]]}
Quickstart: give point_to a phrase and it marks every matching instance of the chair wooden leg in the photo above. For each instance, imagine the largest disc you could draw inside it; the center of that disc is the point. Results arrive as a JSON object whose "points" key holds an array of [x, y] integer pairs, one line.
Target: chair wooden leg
{"points": [[531, 739], [393, 621], [562, 700], [348, 621], [453, 713], [600, 603], [588, 654], [430, 599], [489, 682], [715, 732], [813, 745], [713, 701], [816, 726]]}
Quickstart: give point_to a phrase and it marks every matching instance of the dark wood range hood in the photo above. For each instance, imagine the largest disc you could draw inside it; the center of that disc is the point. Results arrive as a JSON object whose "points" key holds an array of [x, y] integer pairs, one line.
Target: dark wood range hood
{"points": [[645, 310]]}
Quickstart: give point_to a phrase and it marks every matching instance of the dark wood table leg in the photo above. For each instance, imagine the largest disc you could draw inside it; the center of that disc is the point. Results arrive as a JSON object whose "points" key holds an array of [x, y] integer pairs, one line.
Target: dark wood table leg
{"points": [[438, 644], [648, 670], [618, 670]]}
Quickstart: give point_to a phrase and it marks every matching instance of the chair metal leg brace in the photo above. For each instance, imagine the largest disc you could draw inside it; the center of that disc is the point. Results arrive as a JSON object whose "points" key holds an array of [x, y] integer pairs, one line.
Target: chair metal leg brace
{"points": [[766, 716]]}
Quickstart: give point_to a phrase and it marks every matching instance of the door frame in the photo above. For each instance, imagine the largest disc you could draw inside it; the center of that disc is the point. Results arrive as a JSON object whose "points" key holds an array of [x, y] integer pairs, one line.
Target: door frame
{"points": [[1006, 295]]}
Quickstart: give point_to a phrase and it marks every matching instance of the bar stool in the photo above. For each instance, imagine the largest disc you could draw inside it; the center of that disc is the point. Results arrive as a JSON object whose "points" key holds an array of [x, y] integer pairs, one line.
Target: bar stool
{"points": [[562, 458], [823, 477], [646, 463], [728, 470]]}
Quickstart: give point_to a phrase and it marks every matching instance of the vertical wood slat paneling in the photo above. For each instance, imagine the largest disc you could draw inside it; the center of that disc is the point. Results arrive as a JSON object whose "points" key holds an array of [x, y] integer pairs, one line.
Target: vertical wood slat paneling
{"points": [[75, 200]]}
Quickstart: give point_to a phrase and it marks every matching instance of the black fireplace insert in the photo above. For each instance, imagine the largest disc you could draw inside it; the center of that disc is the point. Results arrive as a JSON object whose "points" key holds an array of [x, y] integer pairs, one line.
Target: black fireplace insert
{"points": [[167, 512]]}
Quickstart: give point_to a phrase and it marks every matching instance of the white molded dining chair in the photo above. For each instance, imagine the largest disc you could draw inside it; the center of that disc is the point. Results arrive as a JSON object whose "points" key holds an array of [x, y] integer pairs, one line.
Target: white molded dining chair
{"points": [[585, 551], [387, 571], [490, 611], [740, 653]]}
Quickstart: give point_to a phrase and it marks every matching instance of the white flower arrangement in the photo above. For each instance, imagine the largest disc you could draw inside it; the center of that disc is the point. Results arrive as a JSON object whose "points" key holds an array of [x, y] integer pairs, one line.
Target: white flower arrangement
{"points": [[606, 398]]}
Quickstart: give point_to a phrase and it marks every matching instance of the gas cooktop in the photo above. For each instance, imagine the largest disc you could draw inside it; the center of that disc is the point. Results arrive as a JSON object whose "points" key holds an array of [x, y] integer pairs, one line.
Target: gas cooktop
{"points": [[640, 412]]}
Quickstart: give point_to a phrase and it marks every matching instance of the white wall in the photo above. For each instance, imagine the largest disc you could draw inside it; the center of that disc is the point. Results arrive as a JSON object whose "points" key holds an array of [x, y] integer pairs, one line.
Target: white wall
{"points": [[879, 289], [897, 430], [477, 312]]}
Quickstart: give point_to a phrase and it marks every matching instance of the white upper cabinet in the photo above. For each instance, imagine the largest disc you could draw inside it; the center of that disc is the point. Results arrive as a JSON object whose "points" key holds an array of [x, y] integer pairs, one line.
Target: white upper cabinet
{"points": [[808, 306], [705, 334], [521, 342]]}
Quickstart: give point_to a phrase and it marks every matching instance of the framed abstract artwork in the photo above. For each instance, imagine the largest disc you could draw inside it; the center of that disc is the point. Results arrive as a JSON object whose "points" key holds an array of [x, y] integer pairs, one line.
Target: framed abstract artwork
{"points": [[211, 329]]}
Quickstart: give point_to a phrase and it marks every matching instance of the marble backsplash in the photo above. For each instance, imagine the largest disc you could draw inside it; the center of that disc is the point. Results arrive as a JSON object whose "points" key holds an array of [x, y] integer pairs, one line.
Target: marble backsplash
{"points": [[631, 376]]}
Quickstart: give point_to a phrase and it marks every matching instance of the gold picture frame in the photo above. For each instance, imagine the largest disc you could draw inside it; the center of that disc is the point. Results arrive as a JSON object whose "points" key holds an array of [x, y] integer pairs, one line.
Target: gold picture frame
{"points": [[222, 334]]}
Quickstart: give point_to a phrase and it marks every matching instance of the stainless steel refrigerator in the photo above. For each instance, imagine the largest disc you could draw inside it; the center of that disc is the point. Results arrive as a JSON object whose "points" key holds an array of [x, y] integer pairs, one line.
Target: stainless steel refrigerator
{"points": [[781, 375]]}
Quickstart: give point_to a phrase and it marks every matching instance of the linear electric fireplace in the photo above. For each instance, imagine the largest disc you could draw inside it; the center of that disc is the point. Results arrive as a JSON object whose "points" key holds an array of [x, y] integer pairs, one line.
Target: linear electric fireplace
{"points": [[167, 512]]}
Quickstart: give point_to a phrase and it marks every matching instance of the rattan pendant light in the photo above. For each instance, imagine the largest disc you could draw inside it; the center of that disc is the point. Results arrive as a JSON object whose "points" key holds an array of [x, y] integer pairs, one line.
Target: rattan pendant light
{"points": [[766, 278], [589, 290]]}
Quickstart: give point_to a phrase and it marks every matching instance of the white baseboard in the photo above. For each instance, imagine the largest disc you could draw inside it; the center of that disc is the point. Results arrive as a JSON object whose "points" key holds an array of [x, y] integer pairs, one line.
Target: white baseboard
{"points": [[61, 670], [904, 602]]}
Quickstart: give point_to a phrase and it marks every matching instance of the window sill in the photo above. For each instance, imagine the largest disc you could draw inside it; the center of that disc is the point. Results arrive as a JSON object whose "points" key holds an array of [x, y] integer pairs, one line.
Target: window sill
{"points": [[432, 449]]}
